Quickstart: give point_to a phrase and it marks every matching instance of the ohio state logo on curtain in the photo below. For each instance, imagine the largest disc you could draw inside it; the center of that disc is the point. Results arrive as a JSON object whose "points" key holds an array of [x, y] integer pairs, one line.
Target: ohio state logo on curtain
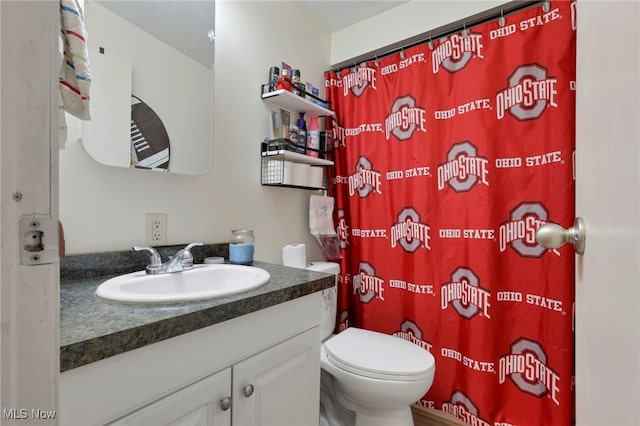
{"points": [[447, 161]]}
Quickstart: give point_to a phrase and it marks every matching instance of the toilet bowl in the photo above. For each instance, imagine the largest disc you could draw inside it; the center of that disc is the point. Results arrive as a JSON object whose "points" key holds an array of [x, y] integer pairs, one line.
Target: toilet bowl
{"points": [[374, 375]]}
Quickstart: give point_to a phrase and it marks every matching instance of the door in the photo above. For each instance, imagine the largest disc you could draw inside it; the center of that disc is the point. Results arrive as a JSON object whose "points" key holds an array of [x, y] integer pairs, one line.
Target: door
{"points": [[199, 404], [607, 310], [280, 386], [29, 307]]}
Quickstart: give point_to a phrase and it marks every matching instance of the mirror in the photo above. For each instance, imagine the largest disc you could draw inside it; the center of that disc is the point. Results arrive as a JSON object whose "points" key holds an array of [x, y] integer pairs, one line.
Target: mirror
{"points": [[152, 84]]}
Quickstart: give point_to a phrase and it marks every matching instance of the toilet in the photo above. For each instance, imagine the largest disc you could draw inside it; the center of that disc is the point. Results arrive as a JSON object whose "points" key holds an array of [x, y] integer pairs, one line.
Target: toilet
{"points": [[367, 378]]}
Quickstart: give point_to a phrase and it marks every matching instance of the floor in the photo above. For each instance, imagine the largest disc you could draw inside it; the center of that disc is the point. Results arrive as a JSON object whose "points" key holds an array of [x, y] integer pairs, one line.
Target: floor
{"points": [[430, 417]]}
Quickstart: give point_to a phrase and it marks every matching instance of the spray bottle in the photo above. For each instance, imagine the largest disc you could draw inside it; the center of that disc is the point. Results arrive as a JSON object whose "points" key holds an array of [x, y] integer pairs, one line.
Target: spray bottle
{"points": [[302, 134], [313, 140]]}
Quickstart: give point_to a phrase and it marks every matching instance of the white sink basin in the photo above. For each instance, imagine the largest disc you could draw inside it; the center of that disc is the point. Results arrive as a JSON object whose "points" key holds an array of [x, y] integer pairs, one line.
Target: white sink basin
{"points": [[200, 283]]}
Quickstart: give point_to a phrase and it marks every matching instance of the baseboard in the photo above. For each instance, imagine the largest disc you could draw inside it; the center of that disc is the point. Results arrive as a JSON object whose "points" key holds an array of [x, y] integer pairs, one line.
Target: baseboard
{"points": [[429, 417]]}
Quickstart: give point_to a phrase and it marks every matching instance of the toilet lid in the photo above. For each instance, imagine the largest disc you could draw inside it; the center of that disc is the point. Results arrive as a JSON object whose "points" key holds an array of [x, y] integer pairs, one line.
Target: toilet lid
{"points": [[377, 355]]}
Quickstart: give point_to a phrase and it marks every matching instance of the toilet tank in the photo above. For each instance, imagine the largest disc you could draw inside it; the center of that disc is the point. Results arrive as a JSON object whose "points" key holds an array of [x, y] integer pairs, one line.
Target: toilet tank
{"points": [[329, 297]]}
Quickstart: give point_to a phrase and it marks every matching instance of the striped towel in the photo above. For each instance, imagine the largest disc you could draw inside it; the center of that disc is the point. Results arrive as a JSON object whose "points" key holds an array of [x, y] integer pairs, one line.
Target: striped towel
{"points": [[75, 76]]}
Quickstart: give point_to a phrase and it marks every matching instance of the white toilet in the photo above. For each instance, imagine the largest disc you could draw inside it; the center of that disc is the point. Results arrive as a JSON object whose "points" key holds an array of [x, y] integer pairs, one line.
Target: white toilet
{"points": [[372, 375]]}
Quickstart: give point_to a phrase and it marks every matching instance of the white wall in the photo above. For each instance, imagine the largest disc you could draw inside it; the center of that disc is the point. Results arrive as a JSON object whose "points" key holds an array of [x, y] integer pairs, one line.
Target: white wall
{"points": [[103, 208], [402, 22]]}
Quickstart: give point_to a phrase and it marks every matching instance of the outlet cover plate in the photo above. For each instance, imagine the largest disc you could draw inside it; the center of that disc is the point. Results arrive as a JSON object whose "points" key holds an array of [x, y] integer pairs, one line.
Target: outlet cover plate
{"points": [[156, 229]]}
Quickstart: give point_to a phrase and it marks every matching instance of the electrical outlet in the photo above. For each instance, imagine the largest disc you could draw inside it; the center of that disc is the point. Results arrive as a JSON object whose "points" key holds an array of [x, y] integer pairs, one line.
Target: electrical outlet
{"points": [[156, 229]]}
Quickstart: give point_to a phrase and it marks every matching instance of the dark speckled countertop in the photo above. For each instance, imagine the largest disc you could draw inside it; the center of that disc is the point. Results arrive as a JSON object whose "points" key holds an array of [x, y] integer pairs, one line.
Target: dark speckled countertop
{"points": [[92, 329]]}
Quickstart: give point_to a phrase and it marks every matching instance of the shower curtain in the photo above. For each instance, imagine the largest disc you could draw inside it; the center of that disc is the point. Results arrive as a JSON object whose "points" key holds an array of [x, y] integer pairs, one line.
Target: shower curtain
{"points": [[448, 157]]}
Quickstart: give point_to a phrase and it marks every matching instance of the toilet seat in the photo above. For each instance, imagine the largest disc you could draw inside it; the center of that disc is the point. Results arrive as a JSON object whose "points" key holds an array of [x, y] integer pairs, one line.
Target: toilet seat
{"points": [[378, 356]]}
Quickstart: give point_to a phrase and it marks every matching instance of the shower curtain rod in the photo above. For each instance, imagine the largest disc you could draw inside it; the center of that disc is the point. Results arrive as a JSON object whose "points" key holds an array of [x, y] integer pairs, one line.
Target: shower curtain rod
{"points": [[436, 33]]}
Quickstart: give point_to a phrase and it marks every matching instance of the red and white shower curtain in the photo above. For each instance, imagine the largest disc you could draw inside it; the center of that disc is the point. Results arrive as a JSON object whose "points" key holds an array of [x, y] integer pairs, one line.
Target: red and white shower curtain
{"points": [[448, 157]]}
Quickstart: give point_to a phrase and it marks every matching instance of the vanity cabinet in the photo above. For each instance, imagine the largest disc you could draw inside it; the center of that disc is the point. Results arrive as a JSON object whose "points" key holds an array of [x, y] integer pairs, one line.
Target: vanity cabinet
{"points": [[275, 155], [259, 368], [267, 388]]}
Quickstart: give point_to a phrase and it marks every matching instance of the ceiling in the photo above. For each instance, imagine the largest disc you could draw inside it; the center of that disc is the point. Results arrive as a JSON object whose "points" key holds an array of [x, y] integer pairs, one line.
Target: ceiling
{"points": [[184, 24], [336, 15]]}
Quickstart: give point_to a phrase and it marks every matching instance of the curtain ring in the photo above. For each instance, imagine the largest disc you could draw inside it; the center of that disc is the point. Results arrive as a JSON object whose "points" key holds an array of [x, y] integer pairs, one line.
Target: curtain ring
{"points": [[465, 33], [402, 51], [377, 64], [546, 6], [502, 21], [430, 44]]}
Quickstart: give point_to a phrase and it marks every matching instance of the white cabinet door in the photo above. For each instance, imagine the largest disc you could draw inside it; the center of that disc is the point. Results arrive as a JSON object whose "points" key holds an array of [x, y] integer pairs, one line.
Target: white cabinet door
{"points": [[198, 404], [279, 386]]}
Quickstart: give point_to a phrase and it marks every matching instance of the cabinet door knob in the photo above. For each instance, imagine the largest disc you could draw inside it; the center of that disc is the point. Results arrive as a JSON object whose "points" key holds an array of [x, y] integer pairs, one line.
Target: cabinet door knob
{"points": [[225, 403], [247, 390]]}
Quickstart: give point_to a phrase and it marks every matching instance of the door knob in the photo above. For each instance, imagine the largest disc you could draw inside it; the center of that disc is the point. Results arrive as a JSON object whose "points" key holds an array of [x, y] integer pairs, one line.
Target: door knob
{"points": [[552, 235]]}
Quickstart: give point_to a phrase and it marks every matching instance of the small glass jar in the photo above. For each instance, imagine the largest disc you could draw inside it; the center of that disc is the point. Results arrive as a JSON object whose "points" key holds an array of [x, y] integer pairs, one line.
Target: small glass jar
{"points": [[241, 247]]}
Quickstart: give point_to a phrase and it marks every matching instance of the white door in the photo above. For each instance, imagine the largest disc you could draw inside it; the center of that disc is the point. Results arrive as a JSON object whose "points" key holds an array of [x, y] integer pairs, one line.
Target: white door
{"points": [[199, 404], [272, 387], [607, 307], [29, 343]]}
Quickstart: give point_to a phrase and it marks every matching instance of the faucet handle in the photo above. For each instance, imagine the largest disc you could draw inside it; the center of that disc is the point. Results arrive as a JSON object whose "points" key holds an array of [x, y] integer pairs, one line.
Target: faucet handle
{"points": [[190, 246], [186, 256], [155, 261]]}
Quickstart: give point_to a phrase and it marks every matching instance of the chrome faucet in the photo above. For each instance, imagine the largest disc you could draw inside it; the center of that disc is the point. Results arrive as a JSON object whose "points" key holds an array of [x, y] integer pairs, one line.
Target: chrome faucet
{"points": [[182, 261]]}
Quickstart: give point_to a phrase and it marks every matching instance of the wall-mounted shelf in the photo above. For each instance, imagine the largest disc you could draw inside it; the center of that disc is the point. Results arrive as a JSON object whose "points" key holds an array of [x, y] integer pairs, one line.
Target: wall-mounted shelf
{"points": [[285, 99], [283, 163], [298, 158], [285, 168]]}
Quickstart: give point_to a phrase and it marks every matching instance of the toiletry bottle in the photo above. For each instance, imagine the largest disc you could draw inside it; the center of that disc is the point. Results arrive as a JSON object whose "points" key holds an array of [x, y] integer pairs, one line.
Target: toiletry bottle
{"points": [[295, 81], [293, 136], [302, 134], [274, 72], [295, 78], [284, 116], [284, 81], [313, 138], [323, 144]]}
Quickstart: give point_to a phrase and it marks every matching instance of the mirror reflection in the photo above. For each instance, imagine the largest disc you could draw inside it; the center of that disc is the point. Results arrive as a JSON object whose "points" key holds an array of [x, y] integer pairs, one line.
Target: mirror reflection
{"points": [[152, 84]]}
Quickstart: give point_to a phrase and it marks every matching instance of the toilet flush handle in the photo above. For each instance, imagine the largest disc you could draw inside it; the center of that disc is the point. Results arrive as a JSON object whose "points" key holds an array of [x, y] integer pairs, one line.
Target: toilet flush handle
{"points": [[247, 391]]}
